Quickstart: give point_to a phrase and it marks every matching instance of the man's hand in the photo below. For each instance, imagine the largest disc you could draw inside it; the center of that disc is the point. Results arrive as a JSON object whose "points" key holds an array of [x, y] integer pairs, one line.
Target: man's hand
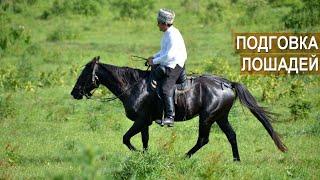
{"points": [[150, 60]]}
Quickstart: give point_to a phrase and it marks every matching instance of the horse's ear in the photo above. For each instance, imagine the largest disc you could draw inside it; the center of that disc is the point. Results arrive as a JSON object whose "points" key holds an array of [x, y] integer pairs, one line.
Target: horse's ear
{"points": [[94, 59]]}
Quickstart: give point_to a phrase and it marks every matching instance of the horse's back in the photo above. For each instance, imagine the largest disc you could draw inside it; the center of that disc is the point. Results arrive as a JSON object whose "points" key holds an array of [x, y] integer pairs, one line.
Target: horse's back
{"points": [[206, 93]]}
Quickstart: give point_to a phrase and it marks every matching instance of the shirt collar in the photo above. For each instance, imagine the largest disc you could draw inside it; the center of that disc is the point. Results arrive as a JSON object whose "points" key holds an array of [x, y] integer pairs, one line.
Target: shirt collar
{"points": [[169, 29]]}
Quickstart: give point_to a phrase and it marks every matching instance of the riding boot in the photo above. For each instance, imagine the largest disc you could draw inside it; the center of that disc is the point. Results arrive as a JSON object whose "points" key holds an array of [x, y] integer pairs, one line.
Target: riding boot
{"points": [[168, 112]]}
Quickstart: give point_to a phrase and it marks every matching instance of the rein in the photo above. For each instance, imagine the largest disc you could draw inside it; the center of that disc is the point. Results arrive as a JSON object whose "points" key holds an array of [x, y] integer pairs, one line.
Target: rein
{"points": [[139, 58], [109, 99]]}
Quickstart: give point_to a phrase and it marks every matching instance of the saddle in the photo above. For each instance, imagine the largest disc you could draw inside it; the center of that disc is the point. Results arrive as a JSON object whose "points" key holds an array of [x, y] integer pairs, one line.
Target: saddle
{"points": [[182, 88], [183, 85]]}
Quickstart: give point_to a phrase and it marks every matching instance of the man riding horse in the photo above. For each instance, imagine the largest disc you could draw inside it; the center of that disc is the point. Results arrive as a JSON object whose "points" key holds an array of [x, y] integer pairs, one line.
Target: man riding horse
{"points": [[170, 60], [210, 97]]}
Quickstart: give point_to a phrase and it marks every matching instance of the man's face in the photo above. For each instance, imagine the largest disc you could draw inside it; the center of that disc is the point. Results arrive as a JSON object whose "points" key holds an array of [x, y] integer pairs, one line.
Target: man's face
{"points": [[162, 26]]}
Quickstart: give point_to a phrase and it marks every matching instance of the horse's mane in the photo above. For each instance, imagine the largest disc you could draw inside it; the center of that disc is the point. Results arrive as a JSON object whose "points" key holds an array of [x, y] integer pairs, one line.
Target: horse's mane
{"points": [[127, 74]]}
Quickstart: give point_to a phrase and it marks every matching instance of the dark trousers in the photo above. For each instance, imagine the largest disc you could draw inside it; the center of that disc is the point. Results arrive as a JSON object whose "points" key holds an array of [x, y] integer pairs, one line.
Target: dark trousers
{"points": [[168, 77], [169, 80]]}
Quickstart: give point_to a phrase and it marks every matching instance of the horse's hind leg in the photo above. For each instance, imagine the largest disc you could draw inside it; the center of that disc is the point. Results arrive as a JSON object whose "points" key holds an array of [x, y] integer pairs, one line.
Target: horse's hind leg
{"points": [[203, 138], [231, 135]]}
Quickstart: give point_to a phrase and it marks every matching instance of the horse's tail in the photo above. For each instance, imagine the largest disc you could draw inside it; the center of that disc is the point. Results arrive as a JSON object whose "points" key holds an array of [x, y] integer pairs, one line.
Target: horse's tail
{"points": [[259, 112]]}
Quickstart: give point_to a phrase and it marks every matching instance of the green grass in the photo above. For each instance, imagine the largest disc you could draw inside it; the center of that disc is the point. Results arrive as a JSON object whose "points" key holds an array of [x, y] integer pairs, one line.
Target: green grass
{"points": [[44, 133]]}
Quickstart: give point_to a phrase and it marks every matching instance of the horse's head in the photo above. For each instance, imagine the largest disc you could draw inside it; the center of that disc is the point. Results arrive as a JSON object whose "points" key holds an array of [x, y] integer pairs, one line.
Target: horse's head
{"points": [[87, 81]]}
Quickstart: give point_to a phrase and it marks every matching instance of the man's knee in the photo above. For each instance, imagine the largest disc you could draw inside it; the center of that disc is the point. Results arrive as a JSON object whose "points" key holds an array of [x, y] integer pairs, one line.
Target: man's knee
{"points": [[159, 72]]}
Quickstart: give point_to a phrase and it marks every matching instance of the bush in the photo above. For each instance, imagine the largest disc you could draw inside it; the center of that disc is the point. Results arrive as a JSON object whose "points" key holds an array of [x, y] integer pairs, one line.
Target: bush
{"points": [[34, 49], [144, 166], [269, 89], [132, 8], [213, 13], [60, 7], [11, 35], [252, 6], [221, 67], [285, 3], [45, 15], [300, 109], [254, 12], [12, 157], [93, 122], [303, 17], [208, 11], [18, 75], [51, 78], [191, 6], [16, 6], [9, 78], [6, 107], [90, 160], [85, 7], [63, 32]]}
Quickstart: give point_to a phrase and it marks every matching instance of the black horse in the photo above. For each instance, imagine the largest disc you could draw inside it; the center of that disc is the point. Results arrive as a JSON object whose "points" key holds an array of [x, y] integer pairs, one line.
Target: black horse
{"points": [[210, 97]]}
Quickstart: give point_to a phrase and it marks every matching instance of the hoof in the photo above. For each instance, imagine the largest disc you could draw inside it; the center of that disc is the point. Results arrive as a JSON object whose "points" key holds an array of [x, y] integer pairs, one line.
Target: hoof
{"points": [[170, 125], [236, 159], [187, 156]]}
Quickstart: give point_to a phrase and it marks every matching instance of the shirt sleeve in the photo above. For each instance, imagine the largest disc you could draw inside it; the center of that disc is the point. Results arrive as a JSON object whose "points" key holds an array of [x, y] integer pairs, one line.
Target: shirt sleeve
{"points": [[165, 55], [157, 54]]}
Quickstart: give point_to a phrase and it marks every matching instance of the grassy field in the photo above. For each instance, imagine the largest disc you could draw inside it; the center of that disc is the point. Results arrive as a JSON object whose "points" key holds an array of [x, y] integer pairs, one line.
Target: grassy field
{"points": [[44, 133]]}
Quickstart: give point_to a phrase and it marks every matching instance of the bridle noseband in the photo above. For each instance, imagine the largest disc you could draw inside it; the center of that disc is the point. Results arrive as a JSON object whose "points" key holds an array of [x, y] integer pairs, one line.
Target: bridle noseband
{"points": [[94, 80], [94, 77]]}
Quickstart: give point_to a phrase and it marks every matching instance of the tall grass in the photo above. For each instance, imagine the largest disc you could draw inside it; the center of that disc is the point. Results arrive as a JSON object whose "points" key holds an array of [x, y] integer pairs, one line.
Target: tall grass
{"points": [[46, 134]]}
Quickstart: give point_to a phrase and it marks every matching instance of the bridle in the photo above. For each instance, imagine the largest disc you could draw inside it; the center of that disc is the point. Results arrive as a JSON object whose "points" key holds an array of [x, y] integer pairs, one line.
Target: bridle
{"points": [[94, 81], [94, 77]]}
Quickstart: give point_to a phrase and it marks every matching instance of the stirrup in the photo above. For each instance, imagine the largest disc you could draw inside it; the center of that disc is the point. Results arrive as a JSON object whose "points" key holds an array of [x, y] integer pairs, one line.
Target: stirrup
{"points": [[160, 122]]}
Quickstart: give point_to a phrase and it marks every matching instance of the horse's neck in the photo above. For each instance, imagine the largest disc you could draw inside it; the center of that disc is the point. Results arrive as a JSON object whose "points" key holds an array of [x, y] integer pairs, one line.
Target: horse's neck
{"points": [[108, 77], [116, 82]]}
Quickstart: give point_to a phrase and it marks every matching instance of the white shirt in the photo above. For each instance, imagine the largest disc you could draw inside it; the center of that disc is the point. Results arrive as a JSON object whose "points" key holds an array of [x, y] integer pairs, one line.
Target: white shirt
{"points": [[173, 50]]}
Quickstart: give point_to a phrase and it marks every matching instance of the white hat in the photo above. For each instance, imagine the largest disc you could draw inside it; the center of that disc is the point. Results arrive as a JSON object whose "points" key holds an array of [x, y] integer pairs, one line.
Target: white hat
{"points": [[166, 16]]}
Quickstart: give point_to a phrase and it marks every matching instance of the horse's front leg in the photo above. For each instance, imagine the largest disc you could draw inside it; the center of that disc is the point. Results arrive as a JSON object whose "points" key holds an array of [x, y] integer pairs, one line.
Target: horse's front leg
{"points": [[134, 129], [145, 137]]}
